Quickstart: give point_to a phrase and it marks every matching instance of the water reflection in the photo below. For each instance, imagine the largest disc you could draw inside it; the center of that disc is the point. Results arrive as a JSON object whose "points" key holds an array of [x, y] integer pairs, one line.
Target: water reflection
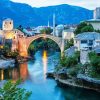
{"points": [[45, 61], [2, 74], [23, 71], [15, 73]]}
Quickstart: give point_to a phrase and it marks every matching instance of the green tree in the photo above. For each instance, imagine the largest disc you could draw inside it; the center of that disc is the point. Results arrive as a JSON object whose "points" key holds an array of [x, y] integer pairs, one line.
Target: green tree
{"points": [[87, 28], [97, 31], [46, 30], [94, 61], [69, 44], [70, 61], [10, 91], [84, 27], [31, 50]]}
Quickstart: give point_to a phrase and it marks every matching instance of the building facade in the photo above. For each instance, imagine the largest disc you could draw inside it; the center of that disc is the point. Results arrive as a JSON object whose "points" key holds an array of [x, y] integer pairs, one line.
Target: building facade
{"points": [[87, 40], [68, 34], [95, 22], [8, 34]]}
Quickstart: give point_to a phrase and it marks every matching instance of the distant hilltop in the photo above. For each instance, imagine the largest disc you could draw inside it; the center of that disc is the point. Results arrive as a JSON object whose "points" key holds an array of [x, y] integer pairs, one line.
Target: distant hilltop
{"points": [[25, 15]]}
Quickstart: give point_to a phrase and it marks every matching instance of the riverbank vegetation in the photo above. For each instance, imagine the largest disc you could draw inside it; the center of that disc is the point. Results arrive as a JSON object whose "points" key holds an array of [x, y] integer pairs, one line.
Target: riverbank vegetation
{"points": [[69, 43], [94, 65], [11, 91], [69, 64], [7, 53], [79, 74]]}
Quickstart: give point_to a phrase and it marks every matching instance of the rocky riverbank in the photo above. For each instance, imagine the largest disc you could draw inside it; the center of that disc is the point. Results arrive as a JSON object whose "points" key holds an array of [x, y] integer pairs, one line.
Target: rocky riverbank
{"points": [[6, 63], [86, 83], [71, 82]]}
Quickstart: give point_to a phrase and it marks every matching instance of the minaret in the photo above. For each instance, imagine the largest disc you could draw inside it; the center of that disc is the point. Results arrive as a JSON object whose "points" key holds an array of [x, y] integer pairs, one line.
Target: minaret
{"points": [[54, 22], [48, 24]]}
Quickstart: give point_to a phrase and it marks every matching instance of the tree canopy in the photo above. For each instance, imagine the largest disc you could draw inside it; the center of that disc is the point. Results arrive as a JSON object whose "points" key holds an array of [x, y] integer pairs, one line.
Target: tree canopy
{"points": [[84, 27], [10, 91]]}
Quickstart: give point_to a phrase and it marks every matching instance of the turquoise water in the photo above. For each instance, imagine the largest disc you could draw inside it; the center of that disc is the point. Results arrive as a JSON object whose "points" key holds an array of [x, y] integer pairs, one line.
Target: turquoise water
{"points": [[34, 78]]}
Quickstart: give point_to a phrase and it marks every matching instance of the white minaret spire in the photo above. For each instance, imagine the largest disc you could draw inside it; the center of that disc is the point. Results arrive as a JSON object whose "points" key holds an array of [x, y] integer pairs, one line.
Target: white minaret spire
{"points": [[48, 24], [54, 22]]}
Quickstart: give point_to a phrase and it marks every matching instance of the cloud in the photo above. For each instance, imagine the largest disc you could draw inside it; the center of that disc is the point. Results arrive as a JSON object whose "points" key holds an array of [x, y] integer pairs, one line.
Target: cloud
{"points": [[90, 4]]}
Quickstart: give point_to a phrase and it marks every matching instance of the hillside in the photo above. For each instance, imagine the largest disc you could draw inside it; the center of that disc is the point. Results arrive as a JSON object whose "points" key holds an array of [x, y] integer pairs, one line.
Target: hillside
{"points": [[25, 15]]}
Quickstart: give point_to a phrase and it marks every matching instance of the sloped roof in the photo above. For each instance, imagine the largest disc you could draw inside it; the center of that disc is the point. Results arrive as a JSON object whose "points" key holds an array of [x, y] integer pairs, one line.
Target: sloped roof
{"points": [[93, 20], [88, 36]]}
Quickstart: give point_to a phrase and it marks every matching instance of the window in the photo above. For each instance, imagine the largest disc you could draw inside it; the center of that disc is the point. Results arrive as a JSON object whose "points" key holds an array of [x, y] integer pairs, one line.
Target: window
{"points": [[83, 41], [90, 42]]}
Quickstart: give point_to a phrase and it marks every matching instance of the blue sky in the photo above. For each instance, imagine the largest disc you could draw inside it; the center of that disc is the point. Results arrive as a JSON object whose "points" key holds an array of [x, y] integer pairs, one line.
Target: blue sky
{"points": [[90, 4]]}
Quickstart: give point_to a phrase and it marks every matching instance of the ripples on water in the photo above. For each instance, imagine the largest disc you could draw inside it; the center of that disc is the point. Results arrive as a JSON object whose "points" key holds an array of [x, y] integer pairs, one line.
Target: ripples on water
{"points": [[34, 75]]}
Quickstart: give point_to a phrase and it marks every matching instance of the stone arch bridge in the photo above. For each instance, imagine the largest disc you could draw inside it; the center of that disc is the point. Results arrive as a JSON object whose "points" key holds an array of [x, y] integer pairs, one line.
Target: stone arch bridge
{"points": [[22, 43]]}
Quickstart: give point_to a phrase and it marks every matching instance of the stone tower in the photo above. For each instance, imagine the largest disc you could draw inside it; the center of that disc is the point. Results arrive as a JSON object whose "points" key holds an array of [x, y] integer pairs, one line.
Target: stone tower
{"points": [[7, 25]]}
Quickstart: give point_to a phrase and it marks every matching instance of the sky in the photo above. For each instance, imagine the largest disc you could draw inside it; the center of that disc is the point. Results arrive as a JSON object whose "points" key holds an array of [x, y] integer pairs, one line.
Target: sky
{"points": [[89, 4]]}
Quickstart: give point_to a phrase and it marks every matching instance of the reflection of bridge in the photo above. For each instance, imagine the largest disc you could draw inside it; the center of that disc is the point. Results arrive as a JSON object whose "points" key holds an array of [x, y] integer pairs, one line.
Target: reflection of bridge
{"points": [[22, 43]]}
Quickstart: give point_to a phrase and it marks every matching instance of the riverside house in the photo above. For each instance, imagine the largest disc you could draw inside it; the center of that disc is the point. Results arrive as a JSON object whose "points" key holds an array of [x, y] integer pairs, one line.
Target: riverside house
{"points": [[87, 41]]}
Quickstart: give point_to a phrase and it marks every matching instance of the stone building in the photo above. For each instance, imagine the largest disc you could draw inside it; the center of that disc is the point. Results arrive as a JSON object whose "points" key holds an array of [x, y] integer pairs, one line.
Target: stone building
{"points": [[87, 40], [97, 13], [8, 34], [68, 34], [7, 25], [95, 22]]}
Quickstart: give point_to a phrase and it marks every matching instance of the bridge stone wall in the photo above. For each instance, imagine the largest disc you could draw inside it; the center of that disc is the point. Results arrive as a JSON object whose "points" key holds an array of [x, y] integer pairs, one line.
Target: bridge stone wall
{"points": [[22, 43]]}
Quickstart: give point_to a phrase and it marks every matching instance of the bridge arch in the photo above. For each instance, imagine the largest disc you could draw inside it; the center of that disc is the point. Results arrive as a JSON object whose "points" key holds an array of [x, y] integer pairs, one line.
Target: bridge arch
{"points": [[33, 38], [24, 43]]}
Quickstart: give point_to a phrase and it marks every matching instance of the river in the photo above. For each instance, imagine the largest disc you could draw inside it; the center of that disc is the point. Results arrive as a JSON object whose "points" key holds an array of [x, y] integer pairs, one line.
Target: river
{"points": [[34, 78]]}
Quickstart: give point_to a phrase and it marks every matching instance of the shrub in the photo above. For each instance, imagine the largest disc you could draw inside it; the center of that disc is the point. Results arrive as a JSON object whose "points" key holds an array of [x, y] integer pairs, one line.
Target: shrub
{"points": [[10, 91]]}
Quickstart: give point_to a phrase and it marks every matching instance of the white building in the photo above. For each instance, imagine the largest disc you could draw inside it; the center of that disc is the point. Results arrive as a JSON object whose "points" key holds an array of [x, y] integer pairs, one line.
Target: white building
{"points": [[7, 25], [68, 34], [95, 22], [87, 40]]}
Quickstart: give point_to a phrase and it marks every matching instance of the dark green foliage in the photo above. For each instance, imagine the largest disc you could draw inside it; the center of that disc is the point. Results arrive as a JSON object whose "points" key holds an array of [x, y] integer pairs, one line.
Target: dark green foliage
{"points": [[95, 63], [97, 31], [10, 91], [88, 28], [5, 50], [74, 71], [69, 44], [70, 61], [13, 54], [31, 50], [84, 27], [46, 30]]}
